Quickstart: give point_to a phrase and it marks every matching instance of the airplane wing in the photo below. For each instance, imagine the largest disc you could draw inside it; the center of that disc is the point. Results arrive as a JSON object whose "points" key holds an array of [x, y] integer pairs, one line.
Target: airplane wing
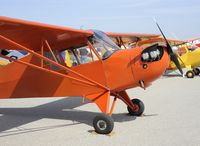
{"points": [[142, 39], [194, 42], [160, 40], [192, 39], [31, 34], [128, 38]]}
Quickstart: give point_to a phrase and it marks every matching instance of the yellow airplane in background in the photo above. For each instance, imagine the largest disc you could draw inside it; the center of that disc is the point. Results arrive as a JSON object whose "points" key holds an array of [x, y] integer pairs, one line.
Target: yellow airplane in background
{"points": [[189, 57]]}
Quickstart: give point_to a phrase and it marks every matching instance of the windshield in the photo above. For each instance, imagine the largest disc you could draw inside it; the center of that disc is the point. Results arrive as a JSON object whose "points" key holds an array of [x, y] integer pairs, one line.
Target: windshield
{"points": [[103, 44]]}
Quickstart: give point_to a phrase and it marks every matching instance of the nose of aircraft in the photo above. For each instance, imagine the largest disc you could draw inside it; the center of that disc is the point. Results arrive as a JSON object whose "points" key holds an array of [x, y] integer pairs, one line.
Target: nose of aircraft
{"points": [[149, 64], [153, 61]]}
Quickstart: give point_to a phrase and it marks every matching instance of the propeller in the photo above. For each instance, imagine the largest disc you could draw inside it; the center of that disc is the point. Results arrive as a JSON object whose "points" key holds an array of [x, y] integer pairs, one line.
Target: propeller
{"points": [[172, 55]]}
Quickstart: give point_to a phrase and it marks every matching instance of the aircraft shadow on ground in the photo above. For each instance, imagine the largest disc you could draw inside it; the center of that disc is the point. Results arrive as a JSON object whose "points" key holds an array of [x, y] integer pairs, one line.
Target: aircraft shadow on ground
{"points": [[172, 75], [60, 109]]}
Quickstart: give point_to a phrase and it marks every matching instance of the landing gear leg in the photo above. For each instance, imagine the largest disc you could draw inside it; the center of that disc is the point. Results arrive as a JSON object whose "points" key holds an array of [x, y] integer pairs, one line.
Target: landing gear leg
{"points": [[135, 106]]}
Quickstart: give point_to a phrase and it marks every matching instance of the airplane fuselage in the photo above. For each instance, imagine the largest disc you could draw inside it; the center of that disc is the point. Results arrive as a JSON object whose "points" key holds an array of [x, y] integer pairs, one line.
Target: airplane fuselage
{"points": [[122, 70]]}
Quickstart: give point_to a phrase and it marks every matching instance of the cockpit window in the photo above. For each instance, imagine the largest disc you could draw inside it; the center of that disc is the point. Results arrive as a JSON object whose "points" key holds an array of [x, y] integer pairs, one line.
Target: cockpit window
{"points": [[78, 55], [103, 44], [84, 53]]}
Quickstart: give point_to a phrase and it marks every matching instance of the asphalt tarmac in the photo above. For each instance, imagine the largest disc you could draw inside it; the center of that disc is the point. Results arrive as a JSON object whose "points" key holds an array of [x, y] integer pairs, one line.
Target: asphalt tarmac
{"points": [[171, 118]]}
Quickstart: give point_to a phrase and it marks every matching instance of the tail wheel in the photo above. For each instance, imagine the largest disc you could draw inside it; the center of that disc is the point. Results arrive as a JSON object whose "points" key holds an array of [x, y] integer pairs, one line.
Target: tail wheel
{"points": [[190, 74], [139, 108], [103, 124], [196, 71]]}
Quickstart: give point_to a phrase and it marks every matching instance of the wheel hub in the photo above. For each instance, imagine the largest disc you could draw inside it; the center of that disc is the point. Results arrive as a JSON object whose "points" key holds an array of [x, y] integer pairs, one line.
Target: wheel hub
{"points": [[190, 74], [101, 125]]}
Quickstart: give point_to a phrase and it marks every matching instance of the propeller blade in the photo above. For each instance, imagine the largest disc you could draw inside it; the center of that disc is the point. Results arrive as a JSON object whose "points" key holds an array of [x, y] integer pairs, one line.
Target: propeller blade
{"points": [[172, 55], [174, 58]]}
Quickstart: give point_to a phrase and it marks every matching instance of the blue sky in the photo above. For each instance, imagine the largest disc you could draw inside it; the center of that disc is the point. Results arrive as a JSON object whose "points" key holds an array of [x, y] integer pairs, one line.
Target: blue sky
{"points": [[178, 19]]}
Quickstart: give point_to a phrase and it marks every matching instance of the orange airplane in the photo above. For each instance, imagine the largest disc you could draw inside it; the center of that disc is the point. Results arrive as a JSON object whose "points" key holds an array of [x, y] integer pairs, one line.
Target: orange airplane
{"points": [[99, 68]]}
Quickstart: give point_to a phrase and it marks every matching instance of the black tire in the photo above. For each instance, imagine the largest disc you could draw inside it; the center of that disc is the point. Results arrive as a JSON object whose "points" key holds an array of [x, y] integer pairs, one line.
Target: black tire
{"points": [[103, 124], [140, 109], [196, 71], [190, 74]]}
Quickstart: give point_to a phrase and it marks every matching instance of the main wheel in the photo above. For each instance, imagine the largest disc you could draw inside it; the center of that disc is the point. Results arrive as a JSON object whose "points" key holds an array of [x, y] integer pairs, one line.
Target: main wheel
{"points": [[196, 71], [139, 108], [190, 74], [103, 124]]}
